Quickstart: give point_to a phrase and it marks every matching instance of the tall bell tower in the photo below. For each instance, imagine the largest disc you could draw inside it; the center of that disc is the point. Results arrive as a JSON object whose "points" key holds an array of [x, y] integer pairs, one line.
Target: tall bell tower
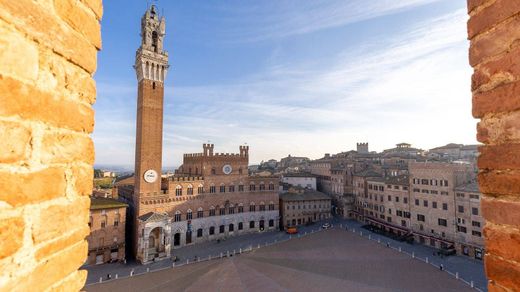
{"points": [[151, 64]]}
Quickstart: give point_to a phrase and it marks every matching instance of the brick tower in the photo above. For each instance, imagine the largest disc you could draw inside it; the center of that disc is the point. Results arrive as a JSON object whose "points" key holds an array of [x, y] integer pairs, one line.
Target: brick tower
{"points": [[151, 64]]}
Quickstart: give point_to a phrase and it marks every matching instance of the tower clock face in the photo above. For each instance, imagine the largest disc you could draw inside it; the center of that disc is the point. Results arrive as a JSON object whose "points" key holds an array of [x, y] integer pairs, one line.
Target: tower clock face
{"points": [[150, 176], [227, 169]]}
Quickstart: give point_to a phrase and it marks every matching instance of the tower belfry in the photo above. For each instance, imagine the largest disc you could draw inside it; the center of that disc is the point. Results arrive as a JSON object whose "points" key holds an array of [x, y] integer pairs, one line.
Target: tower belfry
{"points": [[151, 65]]}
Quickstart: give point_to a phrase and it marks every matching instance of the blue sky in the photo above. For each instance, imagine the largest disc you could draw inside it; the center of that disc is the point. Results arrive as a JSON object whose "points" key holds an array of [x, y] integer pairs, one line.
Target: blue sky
{"points": [[291, 77]]}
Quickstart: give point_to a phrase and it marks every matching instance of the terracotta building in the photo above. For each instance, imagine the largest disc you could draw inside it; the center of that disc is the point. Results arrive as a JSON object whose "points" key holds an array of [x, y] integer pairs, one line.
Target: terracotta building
{"points": [[301, 206], [106, 241]]}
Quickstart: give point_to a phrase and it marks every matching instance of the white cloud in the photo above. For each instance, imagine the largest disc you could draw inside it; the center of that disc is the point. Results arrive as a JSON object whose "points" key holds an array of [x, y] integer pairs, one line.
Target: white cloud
{"points": [[412, 88]]}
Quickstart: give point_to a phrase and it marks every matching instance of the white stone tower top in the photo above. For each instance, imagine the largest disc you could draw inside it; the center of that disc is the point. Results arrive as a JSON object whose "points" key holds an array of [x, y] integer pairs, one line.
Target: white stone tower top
{"points": [[151, 61]]}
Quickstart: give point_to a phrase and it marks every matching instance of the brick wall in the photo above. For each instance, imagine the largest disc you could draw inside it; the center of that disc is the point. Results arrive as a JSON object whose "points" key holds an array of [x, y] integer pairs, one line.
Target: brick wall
{"points": [[494, 32], [47, 57]]}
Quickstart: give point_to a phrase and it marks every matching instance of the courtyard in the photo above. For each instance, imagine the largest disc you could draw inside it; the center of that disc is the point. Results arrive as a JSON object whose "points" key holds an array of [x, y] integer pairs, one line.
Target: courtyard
{"points": [[331, 260]]}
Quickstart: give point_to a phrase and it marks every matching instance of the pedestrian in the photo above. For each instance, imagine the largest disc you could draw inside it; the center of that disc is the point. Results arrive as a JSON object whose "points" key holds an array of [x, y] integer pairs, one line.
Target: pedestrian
{"points": [[441, 267], [108, 276]]}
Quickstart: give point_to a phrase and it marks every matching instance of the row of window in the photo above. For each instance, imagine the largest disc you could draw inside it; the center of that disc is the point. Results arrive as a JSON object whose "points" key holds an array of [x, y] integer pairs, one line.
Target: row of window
{"points": [[434, 204], [433, 192], [222, 189], [474, 210], [306, 207], [389, 198], [222, 229], [221, 211], [104, 221], [431, 182]]}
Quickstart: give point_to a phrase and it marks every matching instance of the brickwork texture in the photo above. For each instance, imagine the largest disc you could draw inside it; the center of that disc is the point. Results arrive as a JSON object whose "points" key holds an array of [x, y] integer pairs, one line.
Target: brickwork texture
{"points": [[48, 53], [494, 33]]}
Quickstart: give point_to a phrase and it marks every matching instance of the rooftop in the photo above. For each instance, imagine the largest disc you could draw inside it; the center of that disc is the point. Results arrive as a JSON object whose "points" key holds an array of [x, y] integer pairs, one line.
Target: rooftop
{"points": [[97, 203], [304, 196]]}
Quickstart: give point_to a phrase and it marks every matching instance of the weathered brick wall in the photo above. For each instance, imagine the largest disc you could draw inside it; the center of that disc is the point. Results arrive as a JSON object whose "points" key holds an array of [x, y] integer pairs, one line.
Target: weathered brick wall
{"points": [[494, 31], [47, 57]]}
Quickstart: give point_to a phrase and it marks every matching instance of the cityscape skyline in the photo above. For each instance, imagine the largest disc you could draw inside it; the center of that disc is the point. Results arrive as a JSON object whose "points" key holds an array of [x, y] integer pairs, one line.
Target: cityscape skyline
{"points": [[279, 92]]}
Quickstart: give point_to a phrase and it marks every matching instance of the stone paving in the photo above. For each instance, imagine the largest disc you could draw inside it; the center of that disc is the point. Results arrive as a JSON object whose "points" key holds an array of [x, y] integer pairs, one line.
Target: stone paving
{"points": [[334, 259]]}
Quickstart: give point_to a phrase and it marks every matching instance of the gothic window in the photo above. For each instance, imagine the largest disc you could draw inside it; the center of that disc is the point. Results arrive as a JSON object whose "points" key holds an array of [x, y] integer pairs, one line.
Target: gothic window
{"points": [[178, 191], [262, 206], [252, 207], [222, 211], [262, 186], [271, 186], [222, 228], [200, 213], [240, 208], [241, 188], [199, 232], [222, 188], [231, 209], [231, 189], [211, 230], [200, 190], [252, 187], [177, 216], [240, 226], [271, 206], [190, 190], [189, 215], [212, 189], [212, 211]]}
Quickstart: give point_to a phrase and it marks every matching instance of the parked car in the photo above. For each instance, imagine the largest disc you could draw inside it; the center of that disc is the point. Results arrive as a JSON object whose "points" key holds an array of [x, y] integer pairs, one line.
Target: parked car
{"points": [[291, 230], [326, 225]]}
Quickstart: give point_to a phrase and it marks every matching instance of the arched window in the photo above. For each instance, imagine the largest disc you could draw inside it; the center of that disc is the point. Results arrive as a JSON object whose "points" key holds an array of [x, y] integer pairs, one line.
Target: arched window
{"points": [[240, 226], [252, 187], [231, 227], [189, 215], [200, 189], [262, 206], [252, 207], [231, 188], [271, 223], [222, 228], [222, 210], [241, 187], [271, 186], [178, 191], [222, 188], [199, 232], [177, 216], [212, 189], [200, 212], [190, 190], [231, 209], [271, 206], [240, 208], [212, 230], [212, 211], [262, 186]]}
